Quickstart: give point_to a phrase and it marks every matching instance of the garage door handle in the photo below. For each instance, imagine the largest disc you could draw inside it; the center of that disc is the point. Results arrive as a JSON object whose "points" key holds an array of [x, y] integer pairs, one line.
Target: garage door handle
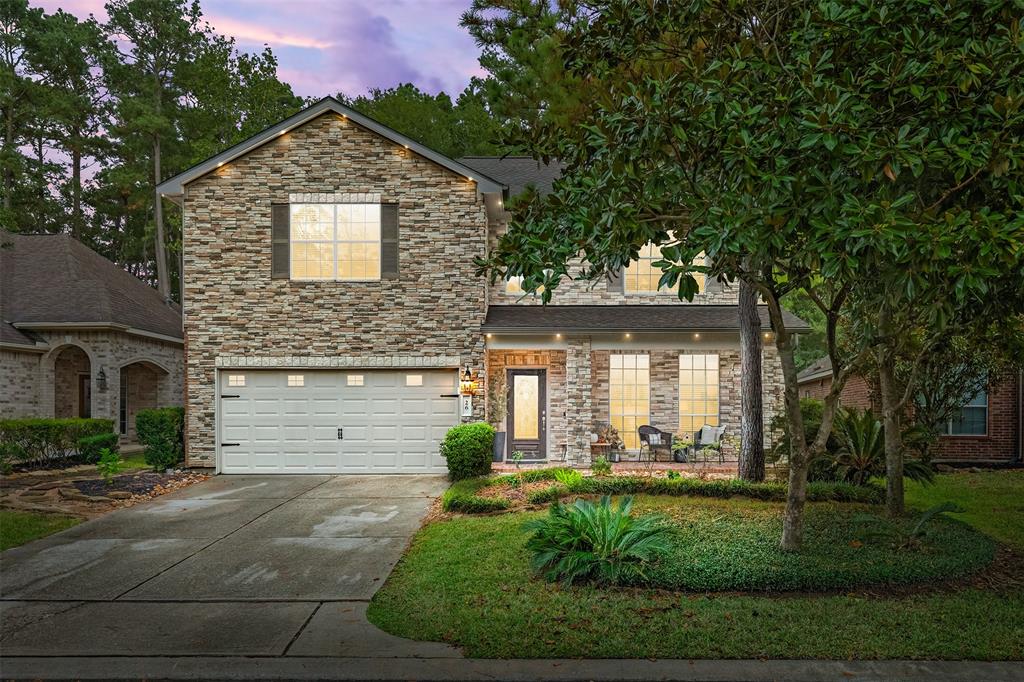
{"points": [[233, 395], [230, 445], [341, 434], [449, 395]]}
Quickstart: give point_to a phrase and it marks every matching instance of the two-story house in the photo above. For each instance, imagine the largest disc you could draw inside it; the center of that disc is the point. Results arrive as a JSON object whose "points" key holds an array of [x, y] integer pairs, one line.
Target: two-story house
{"points": [[331, 304]]}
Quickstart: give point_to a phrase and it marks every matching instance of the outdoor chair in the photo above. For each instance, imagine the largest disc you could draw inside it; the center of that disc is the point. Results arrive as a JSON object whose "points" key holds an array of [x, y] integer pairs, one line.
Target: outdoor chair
{"points": [[655, 440], [708, 436]]}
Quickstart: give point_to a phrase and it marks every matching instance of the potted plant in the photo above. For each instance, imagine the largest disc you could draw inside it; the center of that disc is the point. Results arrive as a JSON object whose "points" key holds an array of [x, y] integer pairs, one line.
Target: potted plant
{"points": [[496, 409], [681, 447], [608, 437]]}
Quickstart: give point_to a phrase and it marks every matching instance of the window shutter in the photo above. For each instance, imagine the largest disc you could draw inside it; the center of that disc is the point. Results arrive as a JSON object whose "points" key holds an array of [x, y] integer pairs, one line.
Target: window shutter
{"points": [[280, 231], [617, 281], [389, 241]]}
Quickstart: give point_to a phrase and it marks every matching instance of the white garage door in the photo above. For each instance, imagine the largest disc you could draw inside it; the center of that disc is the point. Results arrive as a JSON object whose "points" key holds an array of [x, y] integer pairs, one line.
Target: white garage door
{"points": [[360, 421]]}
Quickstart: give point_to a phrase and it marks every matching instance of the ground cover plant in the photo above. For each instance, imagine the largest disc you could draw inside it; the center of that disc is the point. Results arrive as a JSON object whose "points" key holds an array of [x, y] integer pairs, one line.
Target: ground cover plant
{"points": [[476, 570]]}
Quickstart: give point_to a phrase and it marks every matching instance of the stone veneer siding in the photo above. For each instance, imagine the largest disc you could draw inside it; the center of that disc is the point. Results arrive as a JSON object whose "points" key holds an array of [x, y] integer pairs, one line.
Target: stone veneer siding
{"points": [[29, 385], [554, 361], [583, 292], [233, 308]]}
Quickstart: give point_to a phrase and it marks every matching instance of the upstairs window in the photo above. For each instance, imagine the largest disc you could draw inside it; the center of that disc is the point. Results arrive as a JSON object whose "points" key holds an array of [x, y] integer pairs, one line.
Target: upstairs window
{"points": [[335, 242], [642, 277]]}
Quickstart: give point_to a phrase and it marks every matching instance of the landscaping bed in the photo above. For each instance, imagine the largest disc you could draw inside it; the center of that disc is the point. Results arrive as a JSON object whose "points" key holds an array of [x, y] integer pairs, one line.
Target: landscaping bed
{"points": [[724, 590]]}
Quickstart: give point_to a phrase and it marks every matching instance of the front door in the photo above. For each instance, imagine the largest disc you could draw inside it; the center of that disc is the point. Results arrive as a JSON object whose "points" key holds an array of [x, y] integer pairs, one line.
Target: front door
{"points": [[527, 412], [84, 396]]}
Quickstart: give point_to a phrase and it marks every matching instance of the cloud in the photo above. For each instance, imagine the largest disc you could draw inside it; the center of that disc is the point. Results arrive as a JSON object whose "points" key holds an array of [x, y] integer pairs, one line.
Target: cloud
{"points": [[246, 32]]}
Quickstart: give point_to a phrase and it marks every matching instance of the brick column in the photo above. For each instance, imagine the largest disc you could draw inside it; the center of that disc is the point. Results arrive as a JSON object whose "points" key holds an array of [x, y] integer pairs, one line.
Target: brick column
{"points": [[579, 410]]}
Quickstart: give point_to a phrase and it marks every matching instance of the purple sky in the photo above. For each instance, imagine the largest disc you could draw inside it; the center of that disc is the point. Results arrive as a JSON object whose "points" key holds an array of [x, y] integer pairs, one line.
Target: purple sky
{"points": [[326, 46]]}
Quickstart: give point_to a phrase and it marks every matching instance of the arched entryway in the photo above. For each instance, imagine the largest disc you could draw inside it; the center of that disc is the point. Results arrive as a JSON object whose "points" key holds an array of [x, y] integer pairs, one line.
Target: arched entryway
{"points": [[72, 383], [140, 389]]}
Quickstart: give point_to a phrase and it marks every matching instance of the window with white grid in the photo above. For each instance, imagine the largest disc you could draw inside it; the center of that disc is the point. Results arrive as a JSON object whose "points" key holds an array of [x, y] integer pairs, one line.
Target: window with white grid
{"points": [[698, 391], [629, 395], [296, 380], [642, 277], [335, 241]]}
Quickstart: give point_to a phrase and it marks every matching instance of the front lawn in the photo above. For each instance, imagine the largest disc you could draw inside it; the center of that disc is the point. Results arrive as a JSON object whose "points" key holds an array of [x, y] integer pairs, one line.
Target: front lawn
{"points": [[467, 581], [18, 527], [993, 500]]}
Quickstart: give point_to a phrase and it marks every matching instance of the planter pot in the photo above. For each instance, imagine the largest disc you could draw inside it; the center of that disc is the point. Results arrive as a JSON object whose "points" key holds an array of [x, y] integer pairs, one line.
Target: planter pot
{"points": [[499, 447], [679, 456], [614, 456]]}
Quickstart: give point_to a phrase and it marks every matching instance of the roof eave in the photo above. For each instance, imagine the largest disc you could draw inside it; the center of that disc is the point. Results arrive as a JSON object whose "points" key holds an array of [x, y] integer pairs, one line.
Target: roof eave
{"points": [[504, 329], [174, 188]]}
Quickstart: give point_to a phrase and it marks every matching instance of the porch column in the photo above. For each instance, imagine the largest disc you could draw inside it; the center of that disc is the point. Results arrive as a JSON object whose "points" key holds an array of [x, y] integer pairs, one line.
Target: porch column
{"points": [[578, 409]]}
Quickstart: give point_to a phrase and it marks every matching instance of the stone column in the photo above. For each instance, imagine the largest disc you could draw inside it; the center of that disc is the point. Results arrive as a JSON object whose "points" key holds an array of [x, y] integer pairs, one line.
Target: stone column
{"points": [[579, 411]]}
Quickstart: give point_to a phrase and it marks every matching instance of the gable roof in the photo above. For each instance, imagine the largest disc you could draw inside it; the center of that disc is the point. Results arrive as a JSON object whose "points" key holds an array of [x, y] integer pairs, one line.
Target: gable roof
{"points": [[174, 187], [625, 318], [518, 172], [53, 279], [818, 369]]}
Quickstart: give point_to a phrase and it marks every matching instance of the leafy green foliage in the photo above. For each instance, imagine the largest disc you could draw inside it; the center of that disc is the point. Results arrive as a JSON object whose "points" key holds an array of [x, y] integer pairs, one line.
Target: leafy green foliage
{"points": [[601, 543], [462, 497], [861, 452], [905, 535], [570, 478], [109, 465], [90, 447], [49, 442], [464, 128], [162, 431], [528, 476], [545, 495], [600, 466], [467, 448]]}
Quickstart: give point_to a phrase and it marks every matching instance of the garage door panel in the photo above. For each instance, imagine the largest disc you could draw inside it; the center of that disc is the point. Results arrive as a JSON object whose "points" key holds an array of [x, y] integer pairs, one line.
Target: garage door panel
{"points": [[393, 422]]}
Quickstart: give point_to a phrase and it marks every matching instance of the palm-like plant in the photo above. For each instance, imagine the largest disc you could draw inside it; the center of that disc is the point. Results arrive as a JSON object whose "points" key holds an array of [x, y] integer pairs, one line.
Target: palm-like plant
{"points": [[861, 454], [596, 542]]}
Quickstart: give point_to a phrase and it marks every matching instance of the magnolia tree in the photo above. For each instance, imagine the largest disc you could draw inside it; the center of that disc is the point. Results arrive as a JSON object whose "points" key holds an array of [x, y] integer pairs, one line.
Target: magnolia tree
{"points": [[832, 149]]}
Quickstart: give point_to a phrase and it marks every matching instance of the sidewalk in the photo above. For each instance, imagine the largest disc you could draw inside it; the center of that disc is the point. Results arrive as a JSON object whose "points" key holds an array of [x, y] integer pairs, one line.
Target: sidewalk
{"points": [[428, 669]]}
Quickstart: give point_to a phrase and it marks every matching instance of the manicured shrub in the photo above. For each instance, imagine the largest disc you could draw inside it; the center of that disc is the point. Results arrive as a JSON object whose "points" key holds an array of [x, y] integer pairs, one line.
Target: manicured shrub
{"points": [[600, 466], [545, 495], [49, 442], [90, 447], [462, 497], [162, 431], [596, 542], [468, 449], [528, 476]]}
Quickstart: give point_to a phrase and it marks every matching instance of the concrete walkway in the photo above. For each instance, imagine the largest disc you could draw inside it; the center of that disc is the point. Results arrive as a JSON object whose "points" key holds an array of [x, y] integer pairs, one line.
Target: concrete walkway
{"points": [[269, 577]]}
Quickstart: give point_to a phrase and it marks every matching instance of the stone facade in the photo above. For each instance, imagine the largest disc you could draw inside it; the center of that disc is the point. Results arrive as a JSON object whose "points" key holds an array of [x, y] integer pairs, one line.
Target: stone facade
{"points": [[601, 292], [44, 382], [233, 308]]}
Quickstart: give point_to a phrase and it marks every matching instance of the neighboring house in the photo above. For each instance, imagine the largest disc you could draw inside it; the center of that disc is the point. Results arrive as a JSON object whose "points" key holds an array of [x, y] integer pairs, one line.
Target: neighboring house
{"points": [[331, 300], [987, 429], [80, 337]]}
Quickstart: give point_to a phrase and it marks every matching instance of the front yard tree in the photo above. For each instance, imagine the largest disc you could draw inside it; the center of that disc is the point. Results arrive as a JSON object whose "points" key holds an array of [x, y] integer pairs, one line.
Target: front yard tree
{"points": [[803, 148]]}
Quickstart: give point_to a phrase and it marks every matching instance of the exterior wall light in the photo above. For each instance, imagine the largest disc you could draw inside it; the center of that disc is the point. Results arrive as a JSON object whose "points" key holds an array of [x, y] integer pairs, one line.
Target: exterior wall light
{"points": [[101, 380], [467, 387]]}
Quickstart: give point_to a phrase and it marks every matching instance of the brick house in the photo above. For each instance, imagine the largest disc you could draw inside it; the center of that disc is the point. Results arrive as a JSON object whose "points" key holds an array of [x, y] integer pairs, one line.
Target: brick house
{"points": [[80, 337], [332, 304], [988, 429]]}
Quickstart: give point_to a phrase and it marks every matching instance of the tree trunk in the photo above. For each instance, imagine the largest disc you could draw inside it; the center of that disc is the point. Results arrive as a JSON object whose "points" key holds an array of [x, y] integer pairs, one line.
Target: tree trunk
{"points": [[751, 456], [163, 282], [9, 148], [891, 425], [76, 185]]}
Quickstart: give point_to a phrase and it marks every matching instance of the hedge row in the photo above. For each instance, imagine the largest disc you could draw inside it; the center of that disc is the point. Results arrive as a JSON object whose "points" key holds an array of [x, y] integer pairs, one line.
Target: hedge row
{"points": [[462, 497], [51, 442]]}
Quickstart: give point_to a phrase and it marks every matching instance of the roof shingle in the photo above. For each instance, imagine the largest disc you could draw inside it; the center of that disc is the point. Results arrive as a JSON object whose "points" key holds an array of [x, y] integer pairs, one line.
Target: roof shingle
{"points": [[55, 278], [518, 172]]}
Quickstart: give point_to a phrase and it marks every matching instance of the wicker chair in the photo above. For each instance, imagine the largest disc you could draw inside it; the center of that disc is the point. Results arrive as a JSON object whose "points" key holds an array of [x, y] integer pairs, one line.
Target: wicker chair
{"points": [[655, 440]]}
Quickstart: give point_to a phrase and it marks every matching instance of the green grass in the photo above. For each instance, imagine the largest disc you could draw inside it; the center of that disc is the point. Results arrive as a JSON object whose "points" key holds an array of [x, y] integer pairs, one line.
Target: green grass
{"points": [[135, 461], [17, 528], [467, 581], [994, 501]]}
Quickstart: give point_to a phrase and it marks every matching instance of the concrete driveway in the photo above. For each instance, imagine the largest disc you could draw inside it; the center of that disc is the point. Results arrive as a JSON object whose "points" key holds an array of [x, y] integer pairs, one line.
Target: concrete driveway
{"points": [[236, 565]]}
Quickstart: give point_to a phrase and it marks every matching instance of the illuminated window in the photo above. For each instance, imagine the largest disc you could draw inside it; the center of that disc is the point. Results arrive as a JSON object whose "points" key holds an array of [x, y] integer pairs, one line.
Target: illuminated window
{"points": [[629, 392], [514, 285], [698, 392], [335, 241], [236, 380], [413, 379], [642, 277], [354, 379], [296, 380]]}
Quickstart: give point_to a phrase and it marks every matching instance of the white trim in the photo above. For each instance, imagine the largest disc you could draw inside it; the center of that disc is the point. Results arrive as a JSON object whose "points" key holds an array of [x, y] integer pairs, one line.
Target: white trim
{"points": [[338, 362], [24, 347]]}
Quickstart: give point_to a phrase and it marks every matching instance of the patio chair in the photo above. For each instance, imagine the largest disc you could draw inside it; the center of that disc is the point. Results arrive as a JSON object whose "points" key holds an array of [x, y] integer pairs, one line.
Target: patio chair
{"points": [[708, 435], [655, 440]]}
